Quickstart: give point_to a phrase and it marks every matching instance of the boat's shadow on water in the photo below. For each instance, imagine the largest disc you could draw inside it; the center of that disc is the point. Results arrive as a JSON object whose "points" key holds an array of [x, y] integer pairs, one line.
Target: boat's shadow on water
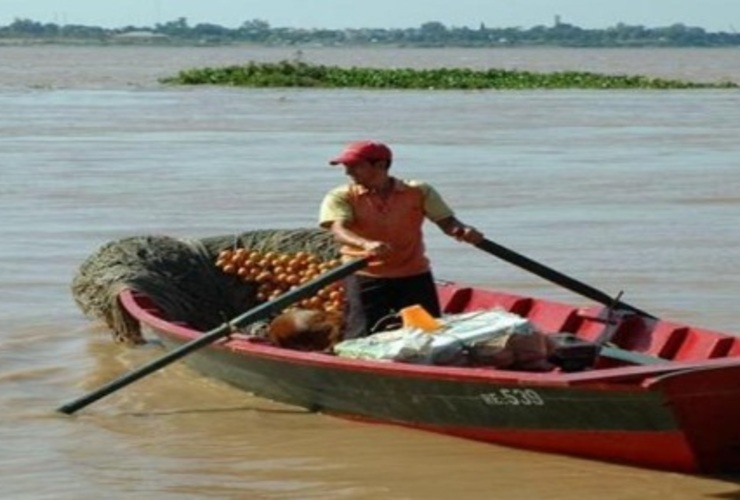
{"points": [[730, 479], [229, 409]]}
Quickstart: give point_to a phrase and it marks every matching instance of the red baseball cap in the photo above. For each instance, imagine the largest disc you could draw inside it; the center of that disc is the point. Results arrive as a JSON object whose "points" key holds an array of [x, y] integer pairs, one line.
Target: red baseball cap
{"points": [[363, 150]]}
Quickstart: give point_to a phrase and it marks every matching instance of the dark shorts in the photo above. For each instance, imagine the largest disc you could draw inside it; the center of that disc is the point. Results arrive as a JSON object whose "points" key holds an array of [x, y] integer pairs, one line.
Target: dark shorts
{"points": [[371, 300]]}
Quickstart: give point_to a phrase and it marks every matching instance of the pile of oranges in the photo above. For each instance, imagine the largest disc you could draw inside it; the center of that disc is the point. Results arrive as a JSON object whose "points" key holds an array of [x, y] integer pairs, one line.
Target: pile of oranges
{"points": [[276, 273]]}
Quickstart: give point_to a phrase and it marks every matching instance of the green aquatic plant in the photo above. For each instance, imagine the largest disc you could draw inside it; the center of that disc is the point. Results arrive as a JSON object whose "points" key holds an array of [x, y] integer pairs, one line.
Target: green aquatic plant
{"points": [[301, 74]]}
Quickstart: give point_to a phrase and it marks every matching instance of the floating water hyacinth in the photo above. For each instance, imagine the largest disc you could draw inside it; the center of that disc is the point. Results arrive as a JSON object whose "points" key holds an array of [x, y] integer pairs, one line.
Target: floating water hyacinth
{"points": [[301, 74]]}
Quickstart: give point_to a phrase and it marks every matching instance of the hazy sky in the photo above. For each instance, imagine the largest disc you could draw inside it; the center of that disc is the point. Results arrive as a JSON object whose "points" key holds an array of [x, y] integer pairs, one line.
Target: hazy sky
{"points": [[712, 15]]}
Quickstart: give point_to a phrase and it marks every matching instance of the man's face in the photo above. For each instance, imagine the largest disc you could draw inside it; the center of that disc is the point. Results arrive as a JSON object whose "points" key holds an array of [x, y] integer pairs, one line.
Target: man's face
{"points": [[362, 172]]}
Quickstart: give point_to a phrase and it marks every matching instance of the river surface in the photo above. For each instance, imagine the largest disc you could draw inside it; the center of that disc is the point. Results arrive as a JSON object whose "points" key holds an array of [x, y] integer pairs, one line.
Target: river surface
{"points": [[634, 191]]}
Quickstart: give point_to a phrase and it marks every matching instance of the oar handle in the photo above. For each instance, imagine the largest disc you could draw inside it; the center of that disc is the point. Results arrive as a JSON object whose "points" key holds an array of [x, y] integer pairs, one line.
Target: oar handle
{"points": [[556, 277], [258, 313]]}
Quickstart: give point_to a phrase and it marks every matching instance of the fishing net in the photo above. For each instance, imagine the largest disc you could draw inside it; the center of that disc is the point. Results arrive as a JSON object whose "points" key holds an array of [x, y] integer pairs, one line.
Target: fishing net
{"points": [[180, 276]]}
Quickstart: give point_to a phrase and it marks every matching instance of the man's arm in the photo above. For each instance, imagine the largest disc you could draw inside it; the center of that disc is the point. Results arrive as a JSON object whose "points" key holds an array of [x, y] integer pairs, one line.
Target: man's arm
{"points": [[460, 231]]}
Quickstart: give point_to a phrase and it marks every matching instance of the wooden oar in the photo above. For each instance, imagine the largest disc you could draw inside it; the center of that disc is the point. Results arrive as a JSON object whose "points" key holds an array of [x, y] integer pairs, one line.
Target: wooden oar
{"points": [[556, 277], [258, 313]]}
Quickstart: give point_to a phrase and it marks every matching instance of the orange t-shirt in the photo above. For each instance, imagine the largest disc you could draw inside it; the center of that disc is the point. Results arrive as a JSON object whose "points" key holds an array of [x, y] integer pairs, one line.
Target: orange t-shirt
{"points": [[396, 219]]}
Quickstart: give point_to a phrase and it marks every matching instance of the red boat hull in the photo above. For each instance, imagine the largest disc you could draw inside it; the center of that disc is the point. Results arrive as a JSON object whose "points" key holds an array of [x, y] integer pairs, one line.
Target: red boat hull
{"points": [[675, 414]]}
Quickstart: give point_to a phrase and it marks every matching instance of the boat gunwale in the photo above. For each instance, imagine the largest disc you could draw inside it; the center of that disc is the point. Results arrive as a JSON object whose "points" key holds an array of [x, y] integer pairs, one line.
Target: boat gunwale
{"points": [[625, 378]]}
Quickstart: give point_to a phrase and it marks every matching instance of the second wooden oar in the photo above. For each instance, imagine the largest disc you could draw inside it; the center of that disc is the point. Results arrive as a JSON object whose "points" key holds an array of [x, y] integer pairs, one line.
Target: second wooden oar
{"points": [[556, 277]]}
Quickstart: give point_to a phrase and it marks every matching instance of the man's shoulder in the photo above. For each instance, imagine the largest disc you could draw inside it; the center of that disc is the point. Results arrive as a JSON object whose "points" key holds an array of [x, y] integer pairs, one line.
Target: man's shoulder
{"points": [[340, 191], [413, 182], [422, 186]]}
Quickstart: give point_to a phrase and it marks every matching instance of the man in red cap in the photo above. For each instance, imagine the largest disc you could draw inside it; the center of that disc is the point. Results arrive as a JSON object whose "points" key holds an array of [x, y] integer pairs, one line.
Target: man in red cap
{"points": [[382, 216]]}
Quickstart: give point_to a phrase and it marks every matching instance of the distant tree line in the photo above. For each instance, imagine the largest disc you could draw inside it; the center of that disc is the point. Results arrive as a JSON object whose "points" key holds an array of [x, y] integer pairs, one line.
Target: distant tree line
{"points": [[430, 34]]}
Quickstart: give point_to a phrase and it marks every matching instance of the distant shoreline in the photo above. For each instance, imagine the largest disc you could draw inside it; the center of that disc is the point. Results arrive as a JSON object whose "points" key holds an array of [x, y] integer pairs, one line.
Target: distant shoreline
{"points": [[35, 42], [430, 34]]}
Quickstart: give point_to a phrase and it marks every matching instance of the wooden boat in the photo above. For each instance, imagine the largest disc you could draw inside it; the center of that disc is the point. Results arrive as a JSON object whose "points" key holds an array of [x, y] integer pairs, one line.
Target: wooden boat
{"points": [[659, 394]]}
